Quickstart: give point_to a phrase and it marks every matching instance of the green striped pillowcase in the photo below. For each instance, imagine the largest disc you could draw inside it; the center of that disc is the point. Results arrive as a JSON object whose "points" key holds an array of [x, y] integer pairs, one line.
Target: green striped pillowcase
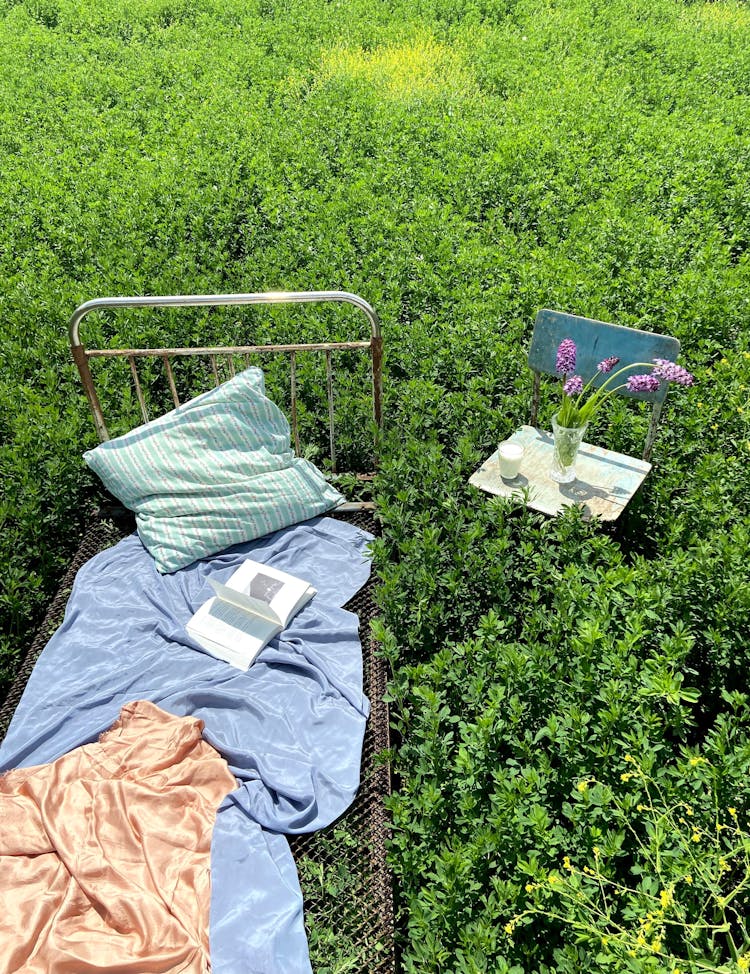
{"points": [[216, 471]]}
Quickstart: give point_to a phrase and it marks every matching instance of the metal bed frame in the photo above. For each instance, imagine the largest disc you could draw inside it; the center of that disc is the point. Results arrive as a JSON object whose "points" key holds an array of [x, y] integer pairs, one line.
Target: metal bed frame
{"points": [[82, 355], [352, 850]]}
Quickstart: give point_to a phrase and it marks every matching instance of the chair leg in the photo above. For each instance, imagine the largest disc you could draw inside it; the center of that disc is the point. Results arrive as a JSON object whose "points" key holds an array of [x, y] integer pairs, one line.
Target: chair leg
{"points": [[652, 430], [535, 393]]}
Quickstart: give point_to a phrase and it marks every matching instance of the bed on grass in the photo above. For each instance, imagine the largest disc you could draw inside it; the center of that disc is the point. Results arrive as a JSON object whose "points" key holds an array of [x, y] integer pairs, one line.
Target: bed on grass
{"points": [[300, 732]]}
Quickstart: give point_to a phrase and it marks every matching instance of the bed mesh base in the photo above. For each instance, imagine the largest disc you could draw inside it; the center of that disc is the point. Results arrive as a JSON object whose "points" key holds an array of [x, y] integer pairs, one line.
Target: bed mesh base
{"points": [[345, 881]]}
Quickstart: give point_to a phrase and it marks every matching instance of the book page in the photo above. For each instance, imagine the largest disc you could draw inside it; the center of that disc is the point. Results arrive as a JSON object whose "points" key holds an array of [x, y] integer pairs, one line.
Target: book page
{"points": [[244, 601], [266, 591], [236, 618], [224, 624]]}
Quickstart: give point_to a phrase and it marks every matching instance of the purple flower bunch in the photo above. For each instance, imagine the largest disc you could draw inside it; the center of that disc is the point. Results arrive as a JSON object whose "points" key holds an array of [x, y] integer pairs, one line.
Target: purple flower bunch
{"points": [[576, 411]]}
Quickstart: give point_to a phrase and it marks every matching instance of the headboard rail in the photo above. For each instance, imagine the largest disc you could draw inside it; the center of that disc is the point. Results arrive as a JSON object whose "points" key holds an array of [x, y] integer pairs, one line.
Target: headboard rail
{"points": [[228, 355]]}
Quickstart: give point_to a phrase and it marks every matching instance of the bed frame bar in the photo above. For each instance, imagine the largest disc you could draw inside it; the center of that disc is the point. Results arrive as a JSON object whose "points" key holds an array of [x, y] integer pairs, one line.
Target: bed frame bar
{"points": [[81, 354]]}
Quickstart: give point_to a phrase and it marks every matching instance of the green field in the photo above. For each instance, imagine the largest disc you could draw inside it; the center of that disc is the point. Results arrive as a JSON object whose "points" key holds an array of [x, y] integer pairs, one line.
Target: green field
{"points": [[560, 689]]}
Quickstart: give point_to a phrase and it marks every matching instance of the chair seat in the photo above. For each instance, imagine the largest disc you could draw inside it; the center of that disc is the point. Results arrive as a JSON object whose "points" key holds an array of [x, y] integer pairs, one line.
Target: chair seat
{"points": [[605, 480]]}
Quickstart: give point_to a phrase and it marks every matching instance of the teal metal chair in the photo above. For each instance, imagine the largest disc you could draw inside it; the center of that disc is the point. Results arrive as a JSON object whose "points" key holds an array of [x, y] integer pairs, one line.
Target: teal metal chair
{"points": [[595, 341], [606, 481]]}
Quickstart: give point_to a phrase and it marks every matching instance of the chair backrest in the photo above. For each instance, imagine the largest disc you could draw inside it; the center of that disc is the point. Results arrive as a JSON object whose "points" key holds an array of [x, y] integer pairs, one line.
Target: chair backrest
{"points": [[595, 341]]}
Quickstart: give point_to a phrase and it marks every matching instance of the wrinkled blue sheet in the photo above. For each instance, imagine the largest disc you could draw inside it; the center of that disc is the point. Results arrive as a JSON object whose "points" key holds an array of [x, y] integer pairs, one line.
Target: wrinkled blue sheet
{"points": [[290, 728]]}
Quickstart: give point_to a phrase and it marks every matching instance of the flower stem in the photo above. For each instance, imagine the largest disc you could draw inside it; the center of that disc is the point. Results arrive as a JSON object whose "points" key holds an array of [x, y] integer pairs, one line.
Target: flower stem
{"points": [[583, 413]]}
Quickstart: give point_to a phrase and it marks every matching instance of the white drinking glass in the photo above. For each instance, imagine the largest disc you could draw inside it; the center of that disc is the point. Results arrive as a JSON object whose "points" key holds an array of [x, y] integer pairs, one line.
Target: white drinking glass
{"points": [[510, 456]]}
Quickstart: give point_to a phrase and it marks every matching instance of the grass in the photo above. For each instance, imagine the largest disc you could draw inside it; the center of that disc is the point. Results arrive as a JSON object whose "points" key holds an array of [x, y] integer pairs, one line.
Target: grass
{"points": [[460, 164]]}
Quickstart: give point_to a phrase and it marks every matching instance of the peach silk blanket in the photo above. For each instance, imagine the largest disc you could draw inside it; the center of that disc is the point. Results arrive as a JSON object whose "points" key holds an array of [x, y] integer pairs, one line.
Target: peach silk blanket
{"points": [[105, 853]]}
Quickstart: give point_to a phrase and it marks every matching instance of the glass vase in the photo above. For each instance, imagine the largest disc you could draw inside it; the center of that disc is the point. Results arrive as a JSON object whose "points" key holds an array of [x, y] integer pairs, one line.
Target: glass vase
{"points": [[567, 440]]}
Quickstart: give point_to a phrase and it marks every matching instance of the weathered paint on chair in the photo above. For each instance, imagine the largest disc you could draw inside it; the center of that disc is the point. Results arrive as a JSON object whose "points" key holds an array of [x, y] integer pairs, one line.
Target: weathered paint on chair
{"points": [[605, 481], [597, 340]]}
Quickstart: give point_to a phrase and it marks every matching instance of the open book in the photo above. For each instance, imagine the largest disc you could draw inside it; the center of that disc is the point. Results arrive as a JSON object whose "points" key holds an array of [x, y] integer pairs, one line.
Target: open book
{"points": [[256, 603]]}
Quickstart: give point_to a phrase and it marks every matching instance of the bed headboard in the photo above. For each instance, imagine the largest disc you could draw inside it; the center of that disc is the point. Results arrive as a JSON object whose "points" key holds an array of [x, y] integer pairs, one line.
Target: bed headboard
{"points": [[223, 358]]}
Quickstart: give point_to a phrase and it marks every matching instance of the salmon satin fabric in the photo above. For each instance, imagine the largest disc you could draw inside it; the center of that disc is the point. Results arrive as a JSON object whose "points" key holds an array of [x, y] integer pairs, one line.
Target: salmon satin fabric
{"points": [[105, 853]]}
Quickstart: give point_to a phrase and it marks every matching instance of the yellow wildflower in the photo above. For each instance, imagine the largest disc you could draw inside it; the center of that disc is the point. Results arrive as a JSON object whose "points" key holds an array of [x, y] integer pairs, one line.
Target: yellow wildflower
{"points": [[743, 963], [596, 851], [626, 776], [629, 759], [529, 887], [509, 927], [688, 879], [656, 945], [567, 864], [732, 812], [553, 879], [666, 898], [582, 786], [696, 837]]}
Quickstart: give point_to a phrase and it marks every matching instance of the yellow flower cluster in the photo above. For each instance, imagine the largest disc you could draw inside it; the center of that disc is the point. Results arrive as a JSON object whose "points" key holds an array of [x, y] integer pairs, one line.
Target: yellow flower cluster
{"points": [[590, 893]]}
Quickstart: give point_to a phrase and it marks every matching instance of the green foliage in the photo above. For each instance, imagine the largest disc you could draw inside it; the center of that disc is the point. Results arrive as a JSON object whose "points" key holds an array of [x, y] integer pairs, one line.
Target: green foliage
{"points": [[686, 904], [460, 164]]}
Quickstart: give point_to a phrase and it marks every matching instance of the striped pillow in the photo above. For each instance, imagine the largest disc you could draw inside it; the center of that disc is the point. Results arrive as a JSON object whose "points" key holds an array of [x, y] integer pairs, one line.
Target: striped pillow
{"points": [[213, 472]]}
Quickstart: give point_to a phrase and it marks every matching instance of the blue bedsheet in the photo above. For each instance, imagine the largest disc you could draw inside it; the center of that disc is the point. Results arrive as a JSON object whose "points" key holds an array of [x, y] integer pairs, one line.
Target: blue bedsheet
{"points": [[290, 728]]}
